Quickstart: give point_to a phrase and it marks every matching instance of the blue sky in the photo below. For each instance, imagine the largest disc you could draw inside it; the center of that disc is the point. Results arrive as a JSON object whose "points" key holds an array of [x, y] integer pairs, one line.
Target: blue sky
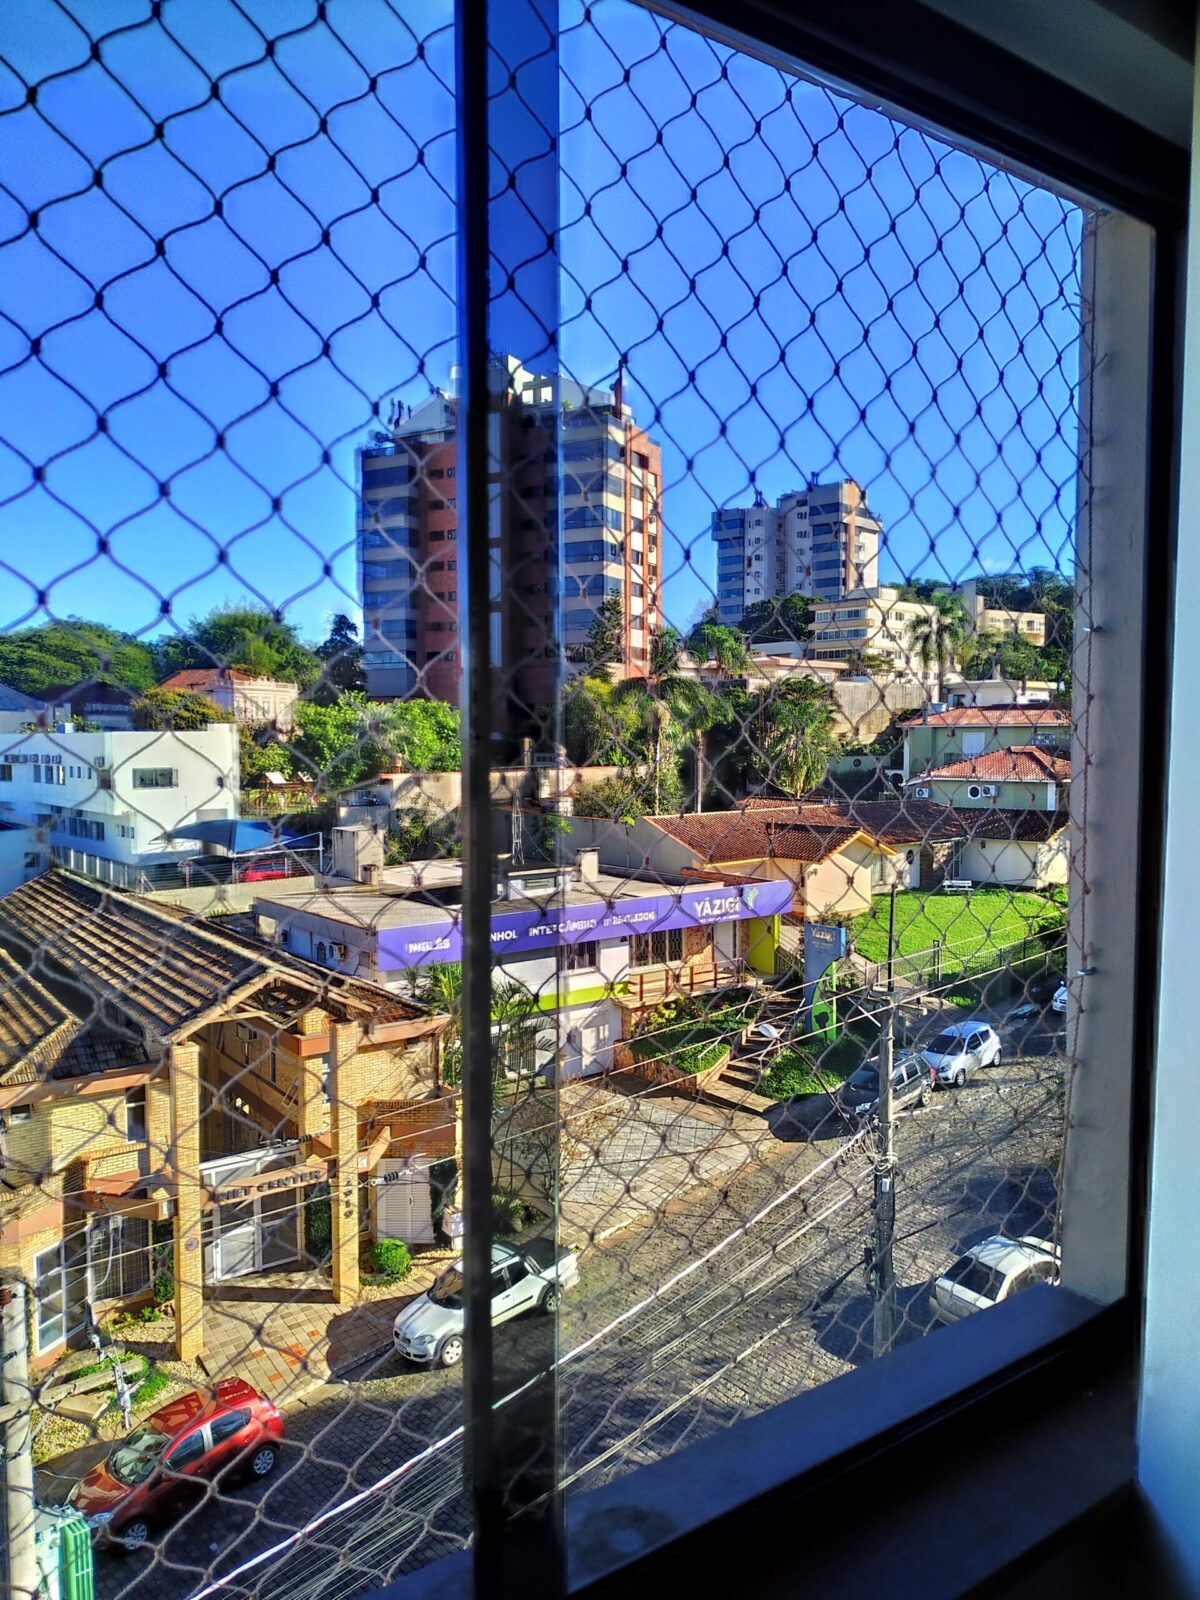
{"points": [[807, 289]]}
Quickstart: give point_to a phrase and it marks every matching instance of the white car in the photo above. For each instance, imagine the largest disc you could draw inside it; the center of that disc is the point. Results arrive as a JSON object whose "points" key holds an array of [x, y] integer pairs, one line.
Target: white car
{"points": [[961, 1049], [992, 1271], [525, 1277], [1059, 1002]]}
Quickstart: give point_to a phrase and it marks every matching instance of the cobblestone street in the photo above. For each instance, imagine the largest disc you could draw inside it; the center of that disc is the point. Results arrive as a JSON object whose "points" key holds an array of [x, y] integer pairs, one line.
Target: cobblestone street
{"points": [[730, 1300]]}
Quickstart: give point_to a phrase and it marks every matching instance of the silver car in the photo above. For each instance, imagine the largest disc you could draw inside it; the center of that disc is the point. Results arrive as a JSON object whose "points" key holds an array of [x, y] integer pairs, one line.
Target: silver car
{"points": [[961, 1049], [992, 1271], [525, 1277]]}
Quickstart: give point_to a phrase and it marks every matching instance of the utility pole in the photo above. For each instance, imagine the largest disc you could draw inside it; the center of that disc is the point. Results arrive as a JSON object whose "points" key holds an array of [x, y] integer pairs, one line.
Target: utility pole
{"points": [[883, 1277], [19, 1525], [891, 961]]}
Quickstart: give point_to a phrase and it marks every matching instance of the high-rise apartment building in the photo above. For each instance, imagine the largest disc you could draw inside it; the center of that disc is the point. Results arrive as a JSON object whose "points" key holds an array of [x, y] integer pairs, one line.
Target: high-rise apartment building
{"points": [[821, 541], [558, 442]]}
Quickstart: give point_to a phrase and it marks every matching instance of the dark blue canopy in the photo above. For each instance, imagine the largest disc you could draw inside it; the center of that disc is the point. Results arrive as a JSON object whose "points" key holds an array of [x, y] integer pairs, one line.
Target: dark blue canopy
{"points": [[240, 836]]}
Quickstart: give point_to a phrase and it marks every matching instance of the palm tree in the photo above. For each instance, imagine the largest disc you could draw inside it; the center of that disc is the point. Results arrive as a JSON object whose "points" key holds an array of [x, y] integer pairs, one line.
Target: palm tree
{"points": [[941, 635], [798, 737], [664, 699], [521, 1030], [726, 648]]}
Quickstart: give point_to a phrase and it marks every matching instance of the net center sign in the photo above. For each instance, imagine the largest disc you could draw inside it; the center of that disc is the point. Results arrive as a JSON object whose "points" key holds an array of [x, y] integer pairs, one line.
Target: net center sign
{"points": [[549, 926]]}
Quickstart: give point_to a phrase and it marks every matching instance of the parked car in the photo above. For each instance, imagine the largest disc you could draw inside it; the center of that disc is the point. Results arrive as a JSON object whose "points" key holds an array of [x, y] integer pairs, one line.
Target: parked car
{"points": [[912, 1085], [1059, 1003], [525, 1277], [992, 1271], [168, 1463], [960, 1050], [260, 871]]}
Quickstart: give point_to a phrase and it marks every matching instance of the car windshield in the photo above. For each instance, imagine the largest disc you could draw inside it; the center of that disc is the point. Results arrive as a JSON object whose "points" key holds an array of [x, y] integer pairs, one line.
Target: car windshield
{"points": [[946, 1044], [448, 1289], [133, 1461], [971, 1274]]}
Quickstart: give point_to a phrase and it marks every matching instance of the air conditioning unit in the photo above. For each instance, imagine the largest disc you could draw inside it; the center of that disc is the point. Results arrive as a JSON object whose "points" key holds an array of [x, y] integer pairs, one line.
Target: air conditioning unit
{"points": [[988, 791], [922, 792], [341, 951]]}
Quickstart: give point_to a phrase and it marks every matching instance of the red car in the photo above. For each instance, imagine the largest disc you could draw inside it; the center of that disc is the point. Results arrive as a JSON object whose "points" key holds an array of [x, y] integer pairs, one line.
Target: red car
{"points": [[259, 871], [168, 1464]]}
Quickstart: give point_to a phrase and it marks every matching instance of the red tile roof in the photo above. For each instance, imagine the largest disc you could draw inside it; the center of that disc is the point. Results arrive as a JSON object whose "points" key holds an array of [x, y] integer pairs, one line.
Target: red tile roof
{"points": [[199, 680], [807, 830], [1019, 763], [992, 717], [1023, 827]]}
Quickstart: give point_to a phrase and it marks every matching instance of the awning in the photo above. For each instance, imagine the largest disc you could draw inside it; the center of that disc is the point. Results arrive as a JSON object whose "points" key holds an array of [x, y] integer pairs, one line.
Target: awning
{"points": [[240, 836]]}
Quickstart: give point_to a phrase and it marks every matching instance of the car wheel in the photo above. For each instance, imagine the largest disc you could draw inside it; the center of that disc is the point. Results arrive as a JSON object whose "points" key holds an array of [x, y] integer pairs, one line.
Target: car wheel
{"points": [[923, 1098], [997, 1058], [451, 1352], [960, 1077], [262, 1462], [550, 1300], [134, 1535]]}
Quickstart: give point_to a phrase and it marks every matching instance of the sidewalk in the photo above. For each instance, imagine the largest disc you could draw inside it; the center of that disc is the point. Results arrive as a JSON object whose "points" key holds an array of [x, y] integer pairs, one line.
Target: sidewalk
{"points": [[282, 1332]]}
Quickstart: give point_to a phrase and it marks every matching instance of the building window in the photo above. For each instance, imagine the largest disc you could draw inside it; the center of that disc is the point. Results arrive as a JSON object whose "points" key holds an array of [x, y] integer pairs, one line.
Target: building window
{"points": [[656, 949], [135, 1115], [580, 957], [118, 1250], [155, 778]]}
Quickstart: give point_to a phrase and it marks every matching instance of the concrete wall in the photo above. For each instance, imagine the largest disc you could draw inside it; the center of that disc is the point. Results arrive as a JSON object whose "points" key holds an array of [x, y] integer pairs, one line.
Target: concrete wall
{"points": [[866, 709], [1014, 865]]}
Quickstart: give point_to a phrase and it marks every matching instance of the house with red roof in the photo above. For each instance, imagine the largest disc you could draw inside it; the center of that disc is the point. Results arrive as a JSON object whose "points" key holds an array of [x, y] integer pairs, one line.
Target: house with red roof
{"points": [[837, 857], [938, 739], [1018, 777], [244, 696]]}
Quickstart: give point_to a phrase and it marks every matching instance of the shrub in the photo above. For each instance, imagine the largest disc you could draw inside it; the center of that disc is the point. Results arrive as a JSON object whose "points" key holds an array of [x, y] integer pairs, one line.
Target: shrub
{"points": [[390, 1258], [508, 1211], [164, 1288]]}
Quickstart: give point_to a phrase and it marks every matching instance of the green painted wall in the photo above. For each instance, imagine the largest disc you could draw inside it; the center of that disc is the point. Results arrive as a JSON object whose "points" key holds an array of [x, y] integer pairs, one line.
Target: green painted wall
{"points": [[1009, 797], [763, 942]]}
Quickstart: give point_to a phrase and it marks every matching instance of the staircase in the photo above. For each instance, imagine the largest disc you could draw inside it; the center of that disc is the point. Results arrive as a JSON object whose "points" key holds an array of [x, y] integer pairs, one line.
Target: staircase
{"points": [[736, 1089]]}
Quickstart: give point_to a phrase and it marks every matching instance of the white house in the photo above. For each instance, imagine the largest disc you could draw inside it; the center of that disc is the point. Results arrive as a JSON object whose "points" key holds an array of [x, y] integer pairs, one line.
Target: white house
{"points": [[245, 697], [105, 801]]}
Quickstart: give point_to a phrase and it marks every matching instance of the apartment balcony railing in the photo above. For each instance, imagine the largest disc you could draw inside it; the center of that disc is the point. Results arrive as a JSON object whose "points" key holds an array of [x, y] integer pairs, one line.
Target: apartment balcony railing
{"points": [[652, 985]]}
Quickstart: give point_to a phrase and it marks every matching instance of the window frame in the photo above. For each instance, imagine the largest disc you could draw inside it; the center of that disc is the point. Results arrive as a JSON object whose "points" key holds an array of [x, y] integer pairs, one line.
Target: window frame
{"points": [[962, 87]]}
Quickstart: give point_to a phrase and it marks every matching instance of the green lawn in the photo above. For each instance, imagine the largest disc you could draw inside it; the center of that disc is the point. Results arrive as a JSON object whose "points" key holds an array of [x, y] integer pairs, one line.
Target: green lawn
{"points": [[968, 925]]}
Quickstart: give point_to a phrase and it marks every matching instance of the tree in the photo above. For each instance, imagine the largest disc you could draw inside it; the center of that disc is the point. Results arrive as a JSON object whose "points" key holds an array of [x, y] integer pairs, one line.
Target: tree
{"points": [[726, 648], [868, 661], [163, 709], [356, 738], [940, 635], [664, 701], [624, 798], [605, 645], [419, 833], [776, 621], [251, 639], [74, 651], [599, 729], [797, 719], [341, 657], [261, 752]]}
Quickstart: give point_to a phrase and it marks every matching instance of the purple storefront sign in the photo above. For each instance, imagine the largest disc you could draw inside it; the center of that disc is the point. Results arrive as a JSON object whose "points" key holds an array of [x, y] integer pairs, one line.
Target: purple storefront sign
{"points": [[545, 928]]}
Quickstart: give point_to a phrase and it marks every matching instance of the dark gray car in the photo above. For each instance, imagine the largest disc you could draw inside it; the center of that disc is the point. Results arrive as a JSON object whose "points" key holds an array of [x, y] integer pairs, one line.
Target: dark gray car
{"points": [[912, 1085]]}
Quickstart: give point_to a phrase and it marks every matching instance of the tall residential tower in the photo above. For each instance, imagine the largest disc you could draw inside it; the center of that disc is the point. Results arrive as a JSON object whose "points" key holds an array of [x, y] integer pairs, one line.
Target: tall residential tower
{"points": [[610, 487], [821, 541]]}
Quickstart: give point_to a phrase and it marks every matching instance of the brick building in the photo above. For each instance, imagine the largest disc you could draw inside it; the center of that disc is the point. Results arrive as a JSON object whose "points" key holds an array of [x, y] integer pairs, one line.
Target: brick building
{"points": [[179, 1100]]}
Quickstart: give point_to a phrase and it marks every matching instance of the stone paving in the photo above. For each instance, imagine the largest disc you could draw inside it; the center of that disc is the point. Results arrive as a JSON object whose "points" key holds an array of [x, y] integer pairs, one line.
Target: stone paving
{"points": [[656, 1150], [282, 1332]]}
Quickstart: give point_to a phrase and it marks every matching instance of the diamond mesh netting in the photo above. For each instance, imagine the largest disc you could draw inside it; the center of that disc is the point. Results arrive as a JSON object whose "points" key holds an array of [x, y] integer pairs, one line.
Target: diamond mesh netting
{"points": [[784, 473]]}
